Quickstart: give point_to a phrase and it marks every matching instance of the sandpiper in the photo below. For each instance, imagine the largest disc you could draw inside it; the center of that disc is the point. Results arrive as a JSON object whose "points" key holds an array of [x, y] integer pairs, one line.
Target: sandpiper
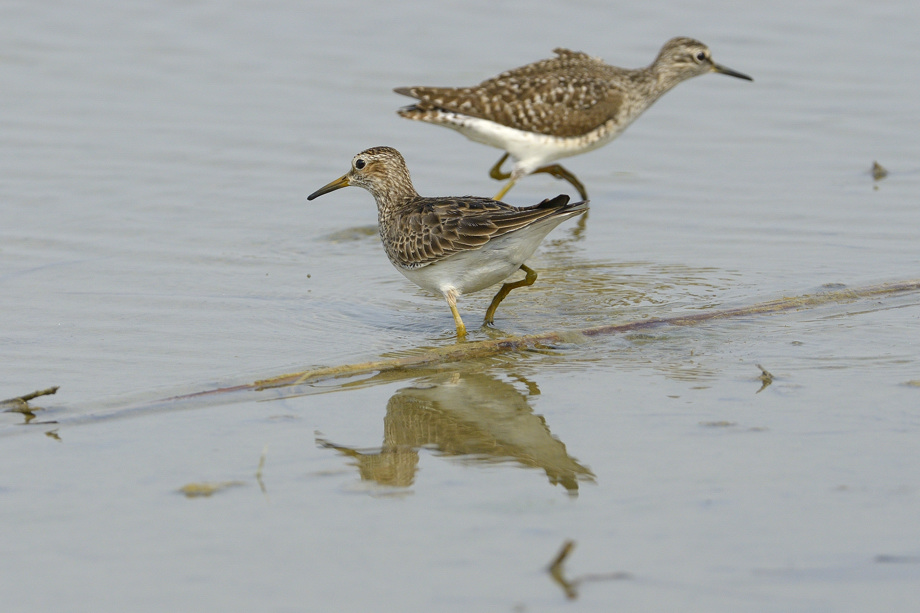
{"points": [[558, 107], [451, 246]]}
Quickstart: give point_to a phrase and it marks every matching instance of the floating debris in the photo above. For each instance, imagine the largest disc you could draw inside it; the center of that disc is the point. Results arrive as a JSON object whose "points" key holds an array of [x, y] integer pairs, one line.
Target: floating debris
{"points": [[204, 489], [878, 171], [479, 349], [20, 404], [570, 586], [259, 470], [765, 377]]}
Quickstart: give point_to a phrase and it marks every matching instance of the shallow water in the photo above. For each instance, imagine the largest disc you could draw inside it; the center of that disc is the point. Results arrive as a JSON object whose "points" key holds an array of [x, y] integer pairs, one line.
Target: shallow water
{"points": [[155, 240]]}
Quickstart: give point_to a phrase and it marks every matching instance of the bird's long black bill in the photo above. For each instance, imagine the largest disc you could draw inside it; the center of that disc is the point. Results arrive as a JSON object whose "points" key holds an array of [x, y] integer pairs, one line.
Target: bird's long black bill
{"points": [[732, 73], [330, 187]]}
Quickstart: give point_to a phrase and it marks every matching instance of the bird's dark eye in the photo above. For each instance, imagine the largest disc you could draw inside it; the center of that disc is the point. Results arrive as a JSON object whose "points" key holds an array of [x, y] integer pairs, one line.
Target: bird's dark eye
{"points": [[701, 56], [359, 164]]}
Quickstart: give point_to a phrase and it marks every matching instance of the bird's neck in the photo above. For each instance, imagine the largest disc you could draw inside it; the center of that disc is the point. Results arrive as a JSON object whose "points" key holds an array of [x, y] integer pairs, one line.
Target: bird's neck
{"points": [[389, 202], [662, 78]]}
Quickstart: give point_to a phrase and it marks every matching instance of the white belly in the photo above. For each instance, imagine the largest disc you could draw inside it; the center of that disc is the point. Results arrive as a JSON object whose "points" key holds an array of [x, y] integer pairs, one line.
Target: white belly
{"points": [[529, 149], [470, 271]]}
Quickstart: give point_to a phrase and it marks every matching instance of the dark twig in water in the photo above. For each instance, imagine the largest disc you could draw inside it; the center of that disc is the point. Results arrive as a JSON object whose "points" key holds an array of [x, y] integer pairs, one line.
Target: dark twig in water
{"points": [[259, 470], [20, 404], [556, 572], [458, 352], [570, 586], [766, 378], [19, 401], [472, 350]]}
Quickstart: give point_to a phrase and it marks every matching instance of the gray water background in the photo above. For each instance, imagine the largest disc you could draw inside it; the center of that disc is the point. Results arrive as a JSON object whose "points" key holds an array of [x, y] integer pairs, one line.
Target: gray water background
{"points": [[155, 239]]}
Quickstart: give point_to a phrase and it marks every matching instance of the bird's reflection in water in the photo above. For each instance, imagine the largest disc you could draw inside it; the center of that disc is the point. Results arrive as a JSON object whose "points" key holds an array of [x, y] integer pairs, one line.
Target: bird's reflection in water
{"points": [[473, 415]]}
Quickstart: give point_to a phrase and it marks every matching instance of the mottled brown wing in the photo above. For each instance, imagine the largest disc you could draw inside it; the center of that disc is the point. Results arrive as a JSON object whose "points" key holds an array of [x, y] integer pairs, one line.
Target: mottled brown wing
{"points": [[436, 228], [568, 95]]}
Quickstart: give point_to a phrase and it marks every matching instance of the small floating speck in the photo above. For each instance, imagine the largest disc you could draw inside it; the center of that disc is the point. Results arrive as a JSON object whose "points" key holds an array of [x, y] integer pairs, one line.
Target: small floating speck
{"points": [[878, 171], [718, 424], [204, 489]]}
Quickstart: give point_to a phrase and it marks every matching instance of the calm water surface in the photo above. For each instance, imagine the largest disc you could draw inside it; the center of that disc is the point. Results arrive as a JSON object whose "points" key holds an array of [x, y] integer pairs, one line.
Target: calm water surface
{"points": [[155, 240]]}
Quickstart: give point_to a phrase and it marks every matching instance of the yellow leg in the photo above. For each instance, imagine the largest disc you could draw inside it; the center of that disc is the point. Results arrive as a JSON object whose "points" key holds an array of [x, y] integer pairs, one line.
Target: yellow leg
{"points": [[496, 171], [530, 277], [555, 170], [561, 173], [504, 190], [452, 303], [497, 174]]}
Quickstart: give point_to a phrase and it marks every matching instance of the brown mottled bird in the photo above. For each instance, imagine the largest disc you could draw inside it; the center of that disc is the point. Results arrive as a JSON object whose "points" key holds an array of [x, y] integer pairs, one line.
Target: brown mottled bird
{"points": [[451, 246], [559, 107]]}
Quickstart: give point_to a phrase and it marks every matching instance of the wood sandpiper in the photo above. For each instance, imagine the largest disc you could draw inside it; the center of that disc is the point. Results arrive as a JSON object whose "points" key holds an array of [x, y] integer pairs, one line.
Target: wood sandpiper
{"points": [[559, 107]]}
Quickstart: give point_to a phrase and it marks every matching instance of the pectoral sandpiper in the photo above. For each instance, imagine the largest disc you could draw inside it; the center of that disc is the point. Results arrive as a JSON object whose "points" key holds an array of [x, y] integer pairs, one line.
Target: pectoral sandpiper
{"points": [[451, 246]]}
